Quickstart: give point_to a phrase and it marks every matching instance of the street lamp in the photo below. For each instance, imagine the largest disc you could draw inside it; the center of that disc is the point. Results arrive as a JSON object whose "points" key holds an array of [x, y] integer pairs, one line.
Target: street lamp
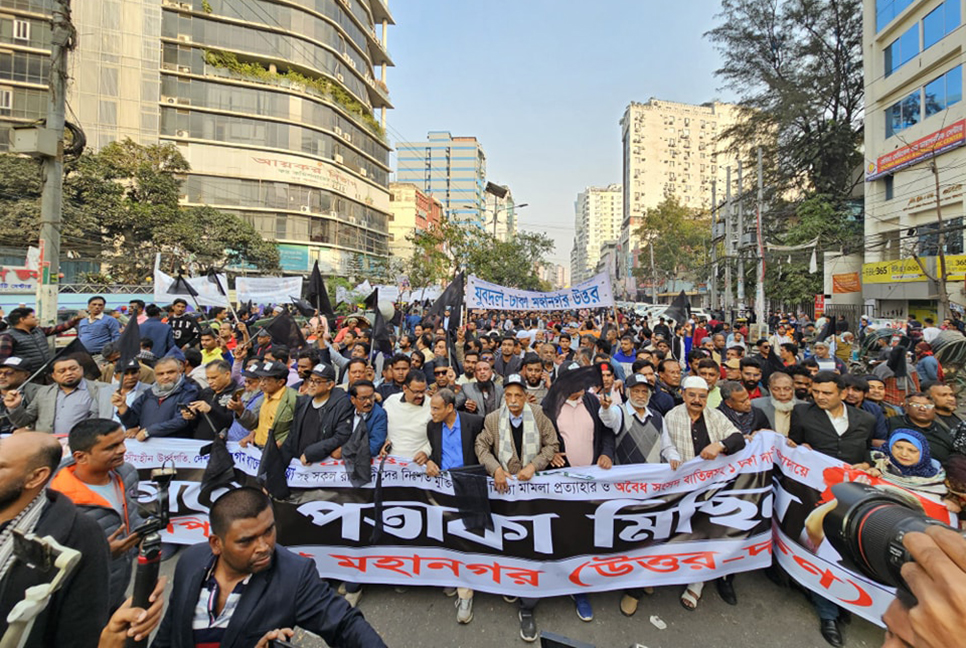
{"points": [[497, 209]]}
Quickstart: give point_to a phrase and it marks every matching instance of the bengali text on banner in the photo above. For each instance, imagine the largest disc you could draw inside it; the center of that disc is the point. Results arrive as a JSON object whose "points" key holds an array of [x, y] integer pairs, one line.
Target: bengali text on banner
{"points": [[596, 292]]}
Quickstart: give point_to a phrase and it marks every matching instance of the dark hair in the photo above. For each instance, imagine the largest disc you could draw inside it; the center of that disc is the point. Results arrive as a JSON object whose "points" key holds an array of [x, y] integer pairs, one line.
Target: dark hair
{"points": [[829, 377], [238, 504], [809, 362], [208, 332], [220, 365], [152, 310], [280, 353], [956, 469], [95, 298], [447, 396], [217, 310], [565, 336], [627, 337], [354, 387], [192, 357], [18, 314], [310, 354], [740, 350], [799, 370], [857, 382], [84, 435], [139, 302], [603, 346], [729, 387], [750, 362], [471, 352], [530, 359], [426, 339], [872, 377], [179, 300], [918, 394], [663, 363], [71, 356], [640, 364], [48, 455], [926, 385], [696, 354], [708, 363], [400, 357], [414, 376], [147, 343], [355, 361], [791, 348]]}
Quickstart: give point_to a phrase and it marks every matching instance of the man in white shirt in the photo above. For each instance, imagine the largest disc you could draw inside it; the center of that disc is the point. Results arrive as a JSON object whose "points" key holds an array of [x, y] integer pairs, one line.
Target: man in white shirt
{"points": [[408, 413]]}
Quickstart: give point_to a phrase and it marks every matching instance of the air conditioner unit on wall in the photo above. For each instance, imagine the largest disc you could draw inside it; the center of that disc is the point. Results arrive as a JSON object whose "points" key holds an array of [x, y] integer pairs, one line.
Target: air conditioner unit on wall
{"points": [[337, 158], [305, 209], [182, 133], [184, 68], [169, 100], [184, 38]]}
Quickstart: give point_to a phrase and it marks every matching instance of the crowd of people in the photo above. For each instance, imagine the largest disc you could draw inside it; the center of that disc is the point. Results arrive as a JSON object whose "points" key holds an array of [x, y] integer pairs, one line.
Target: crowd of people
{"points": [[446, 397]]}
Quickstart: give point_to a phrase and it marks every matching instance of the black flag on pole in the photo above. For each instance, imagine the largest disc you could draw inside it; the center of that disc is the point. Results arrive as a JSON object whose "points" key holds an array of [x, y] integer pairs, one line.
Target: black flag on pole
{"points": [[680, 309], [129, 344], [180, 286], [317, 295], [380, 332], [284, 330], [79, 352], [303, 307], [451, 298]]}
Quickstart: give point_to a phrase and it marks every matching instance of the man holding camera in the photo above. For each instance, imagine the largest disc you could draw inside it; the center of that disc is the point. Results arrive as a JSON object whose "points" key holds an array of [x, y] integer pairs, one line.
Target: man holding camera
{"points": [[100, 485], [239, 587]]}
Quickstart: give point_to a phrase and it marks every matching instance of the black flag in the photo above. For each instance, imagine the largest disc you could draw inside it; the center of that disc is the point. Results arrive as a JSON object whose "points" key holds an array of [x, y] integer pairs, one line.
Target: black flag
{"points": [[284, 330], [80, 353], [182, 287], [303, 307], [380, 332], [571, 378], [680, 309], [472, 497], [451, 298], [271, 470], [317, 295], [220, 471], [129, 344]]}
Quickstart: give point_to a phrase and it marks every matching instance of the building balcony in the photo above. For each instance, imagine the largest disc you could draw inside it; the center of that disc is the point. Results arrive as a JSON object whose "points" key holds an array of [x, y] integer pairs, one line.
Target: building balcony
{"points": [[380, 12], [378, 93]]}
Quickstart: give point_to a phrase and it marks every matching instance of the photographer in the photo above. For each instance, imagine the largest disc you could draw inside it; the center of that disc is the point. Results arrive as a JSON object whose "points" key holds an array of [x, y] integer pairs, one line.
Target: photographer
{"points": [[78, 612], [100, 485], [245, 586]]}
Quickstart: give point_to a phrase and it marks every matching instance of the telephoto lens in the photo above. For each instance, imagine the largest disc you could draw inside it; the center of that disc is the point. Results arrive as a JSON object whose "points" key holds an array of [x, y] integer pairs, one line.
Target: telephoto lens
{"points": [[867, 527]]}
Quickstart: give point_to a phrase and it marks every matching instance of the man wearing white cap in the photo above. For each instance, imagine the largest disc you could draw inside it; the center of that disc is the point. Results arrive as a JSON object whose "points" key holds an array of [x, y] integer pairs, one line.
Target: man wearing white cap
{"points": [[13, 373], [697, 430]]}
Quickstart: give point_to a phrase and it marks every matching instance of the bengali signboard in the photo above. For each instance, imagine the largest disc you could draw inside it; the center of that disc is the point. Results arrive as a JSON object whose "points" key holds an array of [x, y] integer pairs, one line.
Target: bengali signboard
{"points": [[596, 292], [885, 272], [933, 144], [565, 531], [18, 280], [848, 282]]}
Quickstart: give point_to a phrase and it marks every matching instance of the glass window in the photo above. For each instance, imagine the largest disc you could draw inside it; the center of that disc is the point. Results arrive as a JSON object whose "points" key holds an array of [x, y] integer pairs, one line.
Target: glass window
{"points": [[902, 50], [944, 91], [889, 182], [939, 22], [903, 114], [887, 10]]}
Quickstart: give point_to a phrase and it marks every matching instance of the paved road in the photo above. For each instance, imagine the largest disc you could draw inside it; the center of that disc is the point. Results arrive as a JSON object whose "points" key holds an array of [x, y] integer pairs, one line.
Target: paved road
{"points": [[766, 616]]}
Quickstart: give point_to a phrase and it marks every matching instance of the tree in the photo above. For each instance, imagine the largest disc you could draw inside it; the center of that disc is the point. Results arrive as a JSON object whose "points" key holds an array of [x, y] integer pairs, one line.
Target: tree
{"points": [[797, 67], [680, 238], [439, 251], [121, 206]]}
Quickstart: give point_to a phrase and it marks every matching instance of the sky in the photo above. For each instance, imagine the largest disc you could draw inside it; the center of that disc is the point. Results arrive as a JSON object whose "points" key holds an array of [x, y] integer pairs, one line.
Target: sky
{"points": [[543, 84]]}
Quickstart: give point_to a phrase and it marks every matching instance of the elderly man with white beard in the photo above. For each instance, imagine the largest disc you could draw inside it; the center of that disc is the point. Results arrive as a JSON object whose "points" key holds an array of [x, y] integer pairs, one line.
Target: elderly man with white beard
{"points": [[779, 403]]}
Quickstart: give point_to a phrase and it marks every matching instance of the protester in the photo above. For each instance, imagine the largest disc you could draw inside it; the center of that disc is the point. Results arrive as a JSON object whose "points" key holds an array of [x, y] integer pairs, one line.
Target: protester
{"points": [[240, 568], [157, 412], [944, 399], [483, 396], [210, 413], [13, 378], [517, 441], [26, 340], [921, 416], [669, 375], [184, 327], [905, 461], [97, 329], [160, 333], [736, 406], [697, 430], [452, 441], [103, 487], [322, 421], [877, 392], [273, 412], [926, 363], [59, 407], [408, 413], [79, 610]]}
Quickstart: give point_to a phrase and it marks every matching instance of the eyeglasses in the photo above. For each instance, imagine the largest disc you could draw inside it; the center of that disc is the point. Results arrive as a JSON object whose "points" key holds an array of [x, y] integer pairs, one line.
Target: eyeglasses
{"points": [[441, 372], [922, 406]]}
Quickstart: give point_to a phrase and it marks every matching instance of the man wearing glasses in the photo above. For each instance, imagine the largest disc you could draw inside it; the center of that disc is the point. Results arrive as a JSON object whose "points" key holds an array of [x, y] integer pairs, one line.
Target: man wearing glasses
{"points": [[408, 414], [921, 416], [323, 419]]}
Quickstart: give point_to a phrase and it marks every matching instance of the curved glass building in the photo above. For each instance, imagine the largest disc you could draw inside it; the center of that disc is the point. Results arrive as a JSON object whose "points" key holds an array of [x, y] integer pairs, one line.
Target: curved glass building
{"points": [[278, 105]]}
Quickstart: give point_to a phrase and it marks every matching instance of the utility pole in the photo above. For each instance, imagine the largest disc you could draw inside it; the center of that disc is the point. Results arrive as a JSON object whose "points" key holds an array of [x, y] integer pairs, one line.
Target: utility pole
{"points": [[728, 246], [650, 247], [51, 199], [714, 247], [940, 278], [740, 233], [760, 288]]}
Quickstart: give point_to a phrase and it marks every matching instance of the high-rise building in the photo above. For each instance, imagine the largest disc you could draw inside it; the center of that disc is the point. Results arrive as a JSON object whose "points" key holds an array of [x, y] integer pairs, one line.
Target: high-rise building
{"points": [[412, 212], [915, 117], [597, 220], [669, 148], [272, 104], [452, 169]]}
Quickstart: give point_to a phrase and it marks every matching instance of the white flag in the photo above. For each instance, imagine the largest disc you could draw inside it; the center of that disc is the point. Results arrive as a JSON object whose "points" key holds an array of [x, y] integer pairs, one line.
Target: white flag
{"points": [[813, 263]]}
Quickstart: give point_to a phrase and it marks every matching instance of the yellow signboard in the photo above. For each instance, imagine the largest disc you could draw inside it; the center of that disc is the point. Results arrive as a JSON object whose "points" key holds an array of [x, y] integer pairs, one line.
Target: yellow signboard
{"points": [[956, 267], [900, 271]]}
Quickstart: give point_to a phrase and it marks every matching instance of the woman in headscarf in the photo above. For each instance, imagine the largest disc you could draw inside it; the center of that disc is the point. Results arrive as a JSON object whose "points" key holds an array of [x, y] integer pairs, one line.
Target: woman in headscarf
{"points": [[905, 461], [926, 364]]}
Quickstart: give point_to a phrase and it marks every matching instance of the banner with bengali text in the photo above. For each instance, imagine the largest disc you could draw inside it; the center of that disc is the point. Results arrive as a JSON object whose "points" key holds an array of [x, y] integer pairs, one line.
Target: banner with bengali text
{"points": [[565, 531], [596, 292], [267, 290]]}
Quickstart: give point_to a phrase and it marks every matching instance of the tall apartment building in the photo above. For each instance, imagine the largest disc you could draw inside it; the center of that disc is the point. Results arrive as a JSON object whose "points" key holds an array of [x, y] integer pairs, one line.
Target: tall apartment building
{"points": [[412, 212], [452, 169], [913, 53], [598, 214], [669, 148], [272, 104]]}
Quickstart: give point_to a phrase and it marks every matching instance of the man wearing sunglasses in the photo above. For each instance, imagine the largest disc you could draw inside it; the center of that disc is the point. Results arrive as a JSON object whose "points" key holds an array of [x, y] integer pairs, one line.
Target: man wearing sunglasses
{"points": [[921, 416]]}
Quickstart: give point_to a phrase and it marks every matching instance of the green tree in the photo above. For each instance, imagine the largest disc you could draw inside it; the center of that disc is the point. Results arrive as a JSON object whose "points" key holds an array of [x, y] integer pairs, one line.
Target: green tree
{"points": [[797, 67], [121, 206], [681, 242]]}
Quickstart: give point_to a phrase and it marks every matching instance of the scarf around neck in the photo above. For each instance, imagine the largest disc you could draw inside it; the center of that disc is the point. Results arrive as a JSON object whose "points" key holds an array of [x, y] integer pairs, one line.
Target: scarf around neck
{"points": [[531, 438], [25, 522], [161, 392], [742, 420]]}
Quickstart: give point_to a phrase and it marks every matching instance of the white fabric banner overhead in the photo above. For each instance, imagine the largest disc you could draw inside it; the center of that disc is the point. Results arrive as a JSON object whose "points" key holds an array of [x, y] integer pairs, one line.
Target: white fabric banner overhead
{"points": [[268, 290], [208, 294], [594, 293]]}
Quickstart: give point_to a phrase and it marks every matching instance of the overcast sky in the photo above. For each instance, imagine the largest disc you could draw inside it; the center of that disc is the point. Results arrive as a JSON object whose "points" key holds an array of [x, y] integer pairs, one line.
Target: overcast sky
{"points": [[543, 84]]}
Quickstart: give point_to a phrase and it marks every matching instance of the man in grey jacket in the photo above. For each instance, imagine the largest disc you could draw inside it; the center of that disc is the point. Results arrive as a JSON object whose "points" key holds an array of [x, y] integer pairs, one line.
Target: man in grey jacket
{"points": [[483, 396], [99, 483], [59, 407], [779, 403]]}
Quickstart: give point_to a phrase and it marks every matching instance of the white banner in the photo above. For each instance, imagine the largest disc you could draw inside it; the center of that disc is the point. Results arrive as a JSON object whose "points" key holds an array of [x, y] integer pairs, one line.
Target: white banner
{"points": [[268, 290], [594, 293], [208, 294], [420, 295]]}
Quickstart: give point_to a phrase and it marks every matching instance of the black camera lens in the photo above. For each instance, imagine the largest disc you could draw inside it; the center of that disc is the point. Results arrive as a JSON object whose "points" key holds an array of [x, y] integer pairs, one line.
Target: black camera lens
{"points": [[867, 528]]}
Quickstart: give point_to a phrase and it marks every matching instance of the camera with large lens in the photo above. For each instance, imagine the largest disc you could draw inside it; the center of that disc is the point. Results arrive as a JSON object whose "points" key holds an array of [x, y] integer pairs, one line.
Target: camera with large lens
{"points": [[867, 528]]}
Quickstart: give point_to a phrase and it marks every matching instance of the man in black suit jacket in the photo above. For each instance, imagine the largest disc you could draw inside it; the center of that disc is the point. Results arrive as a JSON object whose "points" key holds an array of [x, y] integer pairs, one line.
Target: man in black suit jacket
{"points": [[833, 427], [443, 455], [268, 587]]}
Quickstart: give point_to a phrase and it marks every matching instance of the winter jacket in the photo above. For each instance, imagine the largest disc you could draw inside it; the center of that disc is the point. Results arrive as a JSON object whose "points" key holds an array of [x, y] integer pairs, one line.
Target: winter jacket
{"points": [[38, 413], [161, 416]]}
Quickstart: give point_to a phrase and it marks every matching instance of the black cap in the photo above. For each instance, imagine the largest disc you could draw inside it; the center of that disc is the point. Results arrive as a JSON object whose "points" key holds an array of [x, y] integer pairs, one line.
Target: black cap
{"points": [[514, 379], [567, 366], [636, 379], [14, 363], [325, 371], [130, 365], [262, 333], [267, 369]]}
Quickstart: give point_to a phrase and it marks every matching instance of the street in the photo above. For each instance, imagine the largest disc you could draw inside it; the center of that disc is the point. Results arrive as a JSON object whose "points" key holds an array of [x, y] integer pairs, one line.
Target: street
{"points": [[766, 616]]}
